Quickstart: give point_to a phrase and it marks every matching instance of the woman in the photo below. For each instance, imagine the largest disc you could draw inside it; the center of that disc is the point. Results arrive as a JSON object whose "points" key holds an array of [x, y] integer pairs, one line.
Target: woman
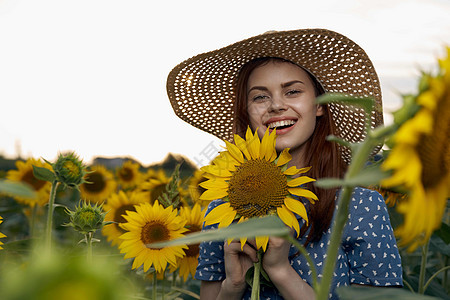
{"points": [[271, 81]]}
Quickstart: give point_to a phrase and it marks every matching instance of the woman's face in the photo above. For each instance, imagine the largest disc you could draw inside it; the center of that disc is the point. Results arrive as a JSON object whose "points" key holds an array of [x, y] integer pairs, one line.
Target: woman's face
{"points": [[281, 95]]}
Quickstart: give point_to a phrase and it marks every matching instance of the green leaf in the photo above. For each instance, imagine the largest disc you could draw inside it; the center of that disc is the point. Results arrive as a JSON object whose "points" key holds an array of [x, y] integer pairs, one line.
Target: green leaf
{"points": [[264, 226], [19, 189], [376, 293], [342, 142], [369, 176], [366, 102], [444, 233], [43, 174]]}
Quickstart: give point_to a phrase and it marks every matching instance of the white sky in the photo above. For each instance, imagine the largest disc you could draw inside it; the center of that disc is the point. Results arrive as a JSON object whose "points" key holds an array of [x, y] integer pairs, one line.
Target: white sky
{"points": [[89, 75]]}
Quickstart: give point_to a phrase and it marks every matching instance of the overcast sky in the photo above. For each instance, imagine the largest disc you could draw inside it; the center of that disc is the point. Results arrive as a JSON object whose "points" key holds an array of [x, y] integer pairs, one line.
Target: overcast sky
{"points": [[89, 75]]}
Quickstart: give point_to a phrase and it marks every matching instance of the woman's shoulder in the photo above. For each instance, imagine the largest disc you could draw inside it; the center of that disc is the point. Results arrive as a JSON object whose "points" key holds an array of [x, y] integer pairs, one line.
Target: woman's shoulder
{"points": [[361, 194], [365, 202]]}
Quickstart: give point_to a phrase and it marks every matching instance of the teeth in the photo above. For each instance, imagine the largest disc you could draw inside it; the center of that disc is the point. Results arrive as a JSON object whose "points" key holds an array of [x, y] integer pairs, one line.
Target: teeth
{"points": [[280, 123]]}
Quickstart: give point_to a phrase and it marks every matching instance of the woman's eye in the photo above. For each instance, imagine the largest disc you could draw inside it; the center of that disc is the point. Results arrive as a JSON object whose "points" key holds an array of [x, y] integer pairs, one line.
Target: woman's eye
{"points": [[259, 97], [293, 92]]}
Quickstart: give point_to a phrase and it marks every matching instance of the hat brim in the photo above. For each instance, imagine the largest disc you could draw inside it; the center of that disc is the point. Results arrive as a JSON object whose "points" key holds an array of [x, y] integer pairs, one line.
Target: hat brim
{"points": [[201, 89]]}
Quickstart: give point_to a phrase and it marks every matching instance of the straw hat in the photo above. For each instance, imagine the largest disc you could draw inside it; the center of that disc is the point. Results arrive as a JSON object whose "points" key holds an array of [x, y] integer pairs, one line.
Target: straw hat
{"points": [[201, 89]]}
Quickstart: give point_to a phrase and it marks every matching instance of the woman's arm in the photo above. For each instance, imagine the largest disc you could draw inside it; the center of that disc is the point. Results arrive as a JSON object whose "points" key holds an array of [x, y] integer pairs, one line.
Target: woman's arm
{"points": [[287, 281]]}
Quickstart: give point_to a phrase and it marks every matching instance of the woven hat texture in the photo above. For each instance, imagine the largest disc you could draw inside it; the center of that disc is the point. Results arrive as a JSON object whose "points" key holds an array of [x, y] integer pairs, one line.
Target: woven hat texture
{"points": [[201, 89]]}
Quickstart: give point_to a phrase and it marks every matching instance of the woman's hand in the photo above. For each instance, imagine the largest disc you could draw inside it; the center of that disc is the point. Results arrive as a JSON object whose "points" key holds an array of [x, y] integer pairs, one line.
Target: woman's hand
{"points": [[237, 263], [276, 258]]}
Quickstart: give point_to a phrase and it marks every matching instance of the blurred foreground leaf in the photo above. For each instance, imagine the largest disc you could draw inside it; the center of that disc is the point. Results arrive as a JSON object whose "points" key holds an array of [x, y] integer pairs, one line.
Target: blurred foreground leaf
{"points": [[264, 226], [18, 189], [376, 293]]}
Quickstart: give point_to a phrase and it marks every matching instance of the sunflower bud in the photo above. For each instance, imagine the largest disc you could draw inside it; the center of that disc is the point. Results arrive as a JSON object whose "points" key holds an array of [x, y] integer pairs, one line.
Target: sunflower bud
{"points": [[86, 218], [69, 170]]}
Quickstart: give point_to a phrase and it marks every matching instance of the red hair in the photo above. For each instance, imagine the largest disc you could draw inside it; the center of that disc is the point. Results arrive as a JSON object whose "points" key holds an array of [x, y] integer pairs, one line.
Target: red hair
{"points": [[328, 163]]}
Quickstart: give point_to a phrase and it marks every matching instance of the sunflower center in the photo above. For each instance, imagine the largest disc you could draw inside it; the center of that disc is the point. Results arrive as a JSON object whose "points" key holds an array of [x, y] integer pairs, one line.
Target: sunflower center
{"points": [[153, 232], [96, 182], [29, 178], [126, 174], [434, 149], [72, 169], [192, 250], [157, 191], [256, 188], [118, 216]]}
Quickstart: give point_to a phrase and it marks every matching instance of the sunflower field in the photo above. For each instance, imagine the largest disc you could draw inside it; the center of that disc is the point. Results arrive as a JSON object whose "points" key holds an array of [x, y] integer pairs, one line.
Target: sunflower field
{"points": [[74, 231]]}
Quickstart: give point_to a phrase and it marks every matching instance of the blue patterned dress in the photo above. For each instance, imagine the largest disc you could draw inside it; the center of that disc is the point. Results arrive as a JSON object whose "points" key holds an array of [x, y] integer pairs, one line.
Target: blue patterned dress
{"points": [[368, 254]]}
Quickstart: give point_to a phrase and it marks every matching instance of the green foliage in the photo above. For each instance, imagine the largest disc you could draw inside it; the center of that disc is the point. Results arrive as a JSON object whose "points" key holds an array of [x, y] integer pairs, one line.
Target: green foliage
{"points": [[16, 189]]}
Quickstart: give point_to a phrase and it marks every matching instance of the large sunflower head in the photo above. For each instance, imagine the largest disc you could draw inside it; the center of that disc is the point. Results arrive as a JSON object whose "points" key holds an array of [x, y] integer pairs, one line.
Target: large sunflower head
{"points": [[117, 205], [24, 173], [99, 185], [194, 220], [151, 224], [1, 234], [253, 181], [420, 158], [129, 175]]}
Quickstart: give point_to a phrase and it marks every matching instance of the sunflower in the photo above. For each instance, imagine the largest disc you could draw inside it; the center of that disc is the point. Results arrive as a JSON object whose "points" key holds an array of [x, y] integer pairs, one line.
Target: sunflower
{"points": [[156, 187], [254, 182], [194, 219], [150, 224], [194, 188], [129, 175], [24, 173], [154, 174], [99, 186], [116, 206], [420, 160], [1, 234]]}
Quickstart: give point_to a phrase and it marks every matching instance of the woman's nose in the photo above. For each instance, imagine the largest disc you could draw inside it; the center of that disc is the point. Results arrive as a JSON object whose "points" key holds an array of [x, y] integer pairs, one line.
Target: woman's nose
{"points": [[277, 104]]}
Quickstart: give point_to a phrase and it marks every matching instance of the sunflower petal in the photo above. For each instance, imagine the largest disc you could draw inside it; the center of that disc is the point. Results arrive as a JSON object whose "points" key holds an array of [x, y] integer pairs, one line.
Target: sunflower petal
{"points": [[297, 207], [288, 217], [213, 194], [303, 193], [242, 145], [291, 171], [248, 134], [262, 241], [227, 219], [216, 171], [216, 215], [266, 146], [235, 152], [284, 157], [299, 181], [214, 184], [254, 146]]}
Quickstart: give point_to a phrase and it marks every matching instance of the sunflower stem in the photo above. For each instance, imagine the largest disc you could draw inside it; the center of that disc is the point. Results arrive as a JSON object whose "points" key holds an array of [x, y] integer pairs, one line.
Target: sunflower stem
{"points": [[174, 278], [423, 267], [33, 220], [357, 164], [154, 285], [256, 275], [162, 286], [88, 237], [51, 204], [434, 276]]}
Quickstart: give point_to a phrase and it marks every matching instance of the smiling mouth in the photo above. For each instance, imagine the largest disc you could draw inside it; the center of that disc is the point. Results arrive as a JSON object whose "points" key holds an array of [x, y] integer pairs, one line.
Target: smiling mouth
{"points": [[279, 125]]}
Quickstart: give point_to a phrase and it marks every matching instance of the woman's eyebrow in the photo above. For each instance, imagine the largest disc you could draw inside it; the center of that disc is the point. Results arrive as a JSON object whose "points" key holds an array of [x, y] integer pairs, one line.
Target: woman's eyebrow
{"points": [[260, 88], [289, 83]]}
